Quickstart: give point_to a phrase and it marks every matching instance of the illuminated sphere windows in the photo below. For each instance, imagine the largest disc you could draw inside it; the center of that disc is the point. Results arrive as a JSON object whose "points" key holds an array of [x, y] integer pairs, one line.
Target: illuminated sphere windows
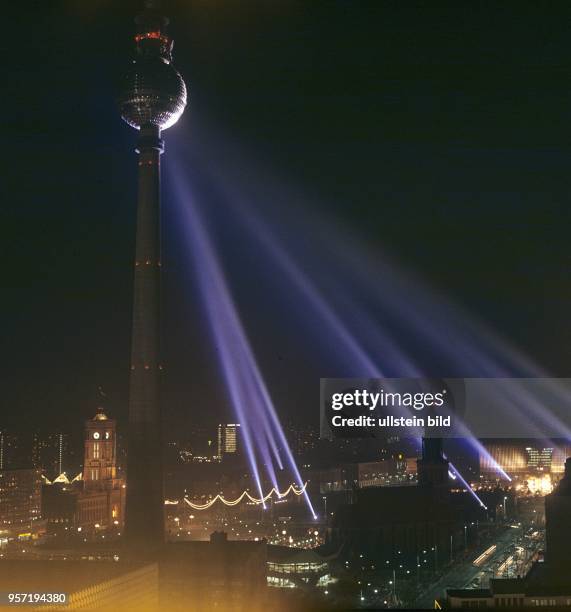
{"points": [[152, 93]]}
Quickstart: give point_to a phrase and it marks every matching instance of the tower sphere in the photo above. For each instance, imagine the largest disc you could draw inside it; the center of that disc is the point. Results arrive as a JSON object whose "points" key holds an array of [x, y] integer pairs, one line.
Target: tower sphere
{"points": [[152, 93]]}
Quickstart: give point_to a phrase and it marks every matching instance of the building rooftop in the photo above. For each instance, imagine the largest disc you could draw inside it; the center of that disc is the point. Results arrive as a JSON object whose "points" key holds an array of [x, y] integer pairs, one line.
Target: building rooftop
{"points": [[401, 504], [198, 552], [286, 554], [508, 586], [469, 593]]}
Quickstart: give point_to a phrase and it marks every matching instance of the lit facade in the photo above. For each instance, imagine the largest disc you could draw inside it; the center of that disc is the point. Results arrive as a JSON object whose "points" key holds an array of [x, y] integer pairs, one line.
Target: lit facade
{"points": [[297, 567], [519, 459], [20, 502], [227, 439], [50, 452], [95, 499], [11, 450], [101, 503], [349, 476], [100, 454]]}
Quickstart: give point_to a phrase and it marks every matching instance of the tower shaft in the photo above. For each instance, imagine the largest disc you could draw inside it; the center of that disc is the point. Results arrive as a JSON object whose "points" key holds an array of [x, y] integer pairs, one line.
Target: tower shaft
{"points": [[152, 98], [144, 524]]}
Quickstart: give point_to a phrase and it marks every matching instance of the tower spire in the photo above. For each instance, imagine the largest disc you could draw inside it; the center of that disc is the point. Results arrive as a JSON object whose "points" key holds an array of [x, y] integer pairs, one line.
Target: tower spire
{"points": [[152, 99]]}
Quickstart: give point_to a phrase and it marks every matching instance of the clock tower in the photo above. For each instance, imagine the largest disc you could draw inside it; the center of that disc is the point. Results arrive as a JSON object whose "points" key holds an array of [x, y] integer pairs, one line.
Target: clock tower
{"points": [[99, 465], [101, 501]]}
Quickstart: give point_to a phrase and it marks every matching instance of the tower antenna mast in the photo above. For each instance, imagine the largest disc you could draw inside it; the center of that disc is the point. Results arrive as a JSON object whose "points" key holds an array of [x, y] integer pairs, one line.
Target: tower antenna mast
{"points": [[152, 98]]}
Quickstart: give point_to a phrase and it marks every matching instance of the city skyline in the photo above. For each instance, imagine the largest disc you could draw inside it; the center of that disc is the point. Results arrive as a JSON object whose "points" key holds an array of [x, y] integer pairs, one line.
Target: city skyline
{"points": [[77, 253], [315, 357]]}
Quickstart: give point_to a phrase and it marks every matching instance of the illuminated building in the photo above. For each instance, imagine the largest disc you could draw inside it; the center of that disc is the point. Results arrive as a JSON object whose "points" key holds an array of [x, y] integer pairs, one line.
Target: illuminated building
{"points": [[152, 98], [522, 458], [346, 477], [511, 457], [11, 451], [50, 452], [547, 584], [20, 502], [297, 567], [387, 472], [389, 522], [97, 495], [47, 451], [559, 457], [339, 478], [99, 466], [411, 465], [102, 500], [227, 439], [539, 458]]}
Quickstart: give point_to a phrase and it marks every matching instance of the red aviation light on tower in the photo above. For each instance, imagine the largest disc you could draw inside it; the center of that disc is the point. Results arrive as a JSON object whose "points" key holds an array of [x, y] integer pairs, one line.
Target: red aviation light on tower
{"points": [[152, 97], [154, 42], [156, 35], [153, 93]]}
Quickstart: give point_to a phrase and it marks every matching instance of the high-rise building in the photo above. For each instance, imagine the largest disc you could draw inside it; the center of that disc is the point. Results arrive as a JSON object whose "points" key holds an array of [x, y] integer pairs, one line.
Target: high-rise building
{"points": [[20, 501], [152, 98], [539, 458], [227, 439], [522, 458], [50, 452], [47, 450], [15, 453]]}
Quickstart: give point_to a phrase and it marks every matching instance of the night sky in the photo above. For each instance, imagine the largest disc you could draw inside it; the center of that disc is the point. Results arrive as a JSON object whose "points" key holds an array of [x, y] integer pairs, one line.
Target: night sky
{"points": [[440, 135]]}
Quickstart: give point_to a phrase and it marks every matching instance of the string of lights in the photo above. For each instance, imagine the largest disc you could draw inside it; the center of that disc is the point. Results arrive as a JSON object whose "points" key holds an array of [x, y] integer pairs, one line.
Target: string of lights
{"points": [[245, 494]]}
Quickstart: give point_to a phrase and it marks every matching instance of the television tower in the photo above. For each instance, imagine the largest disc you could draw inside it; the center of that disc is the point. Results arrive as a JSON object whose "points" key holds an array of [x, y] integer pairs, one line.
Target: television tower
{"points": [[151, 99]]}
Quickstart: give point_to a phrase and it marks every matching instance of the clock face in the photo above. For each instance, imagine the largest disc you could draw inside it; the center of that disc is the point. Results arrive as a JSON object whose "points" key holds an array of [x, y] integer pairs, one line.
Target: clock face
{"points": [[96, 435]]}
